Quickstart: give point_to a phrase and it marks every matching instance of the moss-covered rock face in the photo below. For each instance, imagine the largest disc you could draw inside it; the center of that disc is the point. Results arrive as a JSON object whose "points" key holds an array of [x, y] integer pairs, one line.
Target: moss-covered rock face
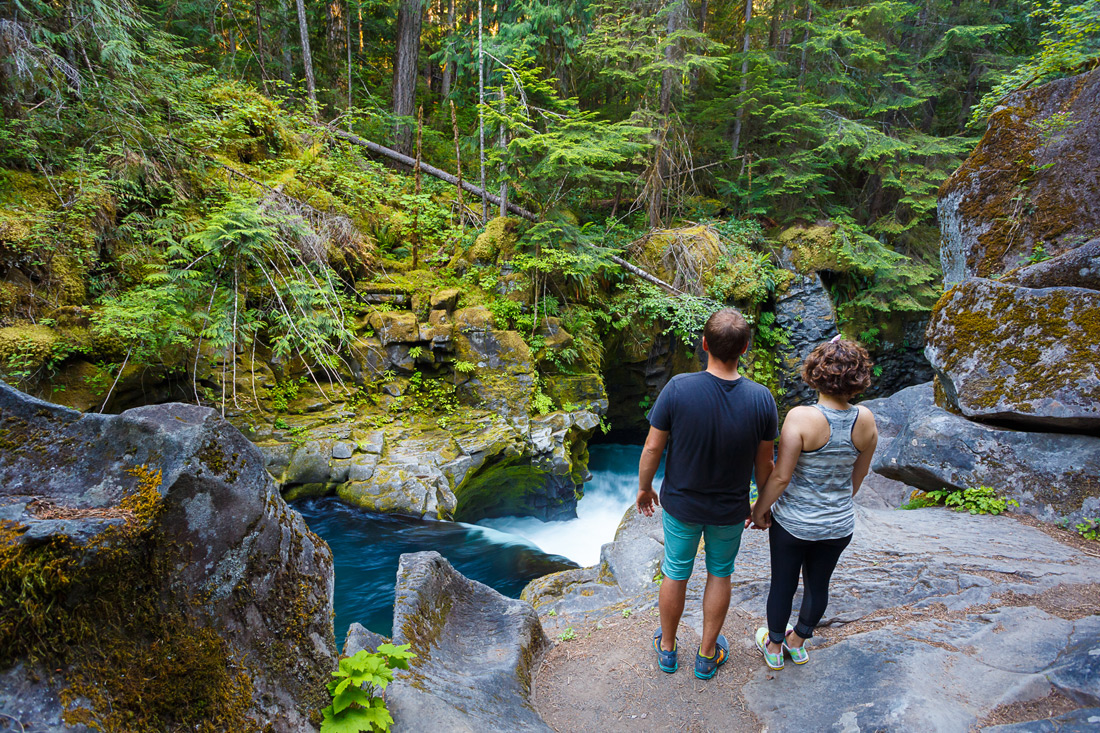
{"points": [[1032, 181], [159, 581], [1020, 355]]}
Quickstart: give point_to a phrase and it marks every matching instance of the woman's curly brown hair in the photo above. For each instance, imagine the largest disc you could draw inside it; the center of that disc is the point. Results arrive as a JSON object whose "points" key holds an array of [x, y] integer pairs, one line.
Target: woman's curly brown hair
{"points": [[838, 368]]}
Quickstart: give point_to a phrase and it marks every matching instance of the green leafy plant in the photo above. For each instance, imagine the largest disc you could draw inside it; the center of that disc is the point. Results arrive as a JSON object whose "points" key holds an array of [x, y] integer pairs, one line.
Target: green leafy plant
{"points": [[1089, 529], [567, 635], [355, 706], [975, 499]]}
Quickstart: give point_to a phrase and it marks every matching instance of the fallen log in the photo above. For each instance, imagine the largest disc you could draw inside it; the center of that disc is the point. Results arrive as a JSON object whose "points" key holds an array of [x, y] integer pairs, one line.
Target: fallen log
{"points": [[466, 185], [424, 167]]}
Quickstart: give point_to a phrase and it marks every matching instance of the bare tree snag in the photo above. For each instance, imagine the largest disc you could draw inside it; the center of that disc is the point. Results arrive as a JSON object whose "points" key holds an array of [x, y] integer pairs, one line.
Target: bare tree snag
{"points": [[307, 57]]}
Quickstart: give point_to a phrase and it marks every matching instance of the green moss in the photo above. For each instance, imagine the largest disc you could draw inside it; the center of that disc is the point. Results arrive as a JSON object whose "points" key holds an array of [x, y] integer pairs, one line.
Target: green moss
{"points": [[497, 242], [1010, 330], [131, 657], [501, 488], [814, 248], [26, 348]]}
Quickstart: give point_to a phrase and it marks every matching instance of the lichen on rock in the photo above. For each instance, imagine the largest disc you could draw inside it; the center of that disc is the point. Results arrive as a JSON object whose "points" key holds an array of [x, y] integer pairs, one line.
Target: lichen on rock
{"points": [[1019, 355]]}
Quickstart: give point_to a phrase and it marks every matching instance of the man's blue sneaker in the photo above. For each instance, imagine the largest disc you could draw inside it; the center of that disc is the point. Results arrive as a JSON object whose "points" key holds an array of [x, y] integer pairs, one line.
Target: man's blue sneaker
{"points": [[707, 667], [665, 660]]}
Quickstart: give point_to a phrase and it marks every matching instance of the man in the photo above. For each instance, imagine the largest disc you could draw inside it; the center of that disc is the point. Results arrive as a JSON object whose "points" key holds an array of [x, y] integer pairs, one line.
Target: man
{"points": [[718, 427]]}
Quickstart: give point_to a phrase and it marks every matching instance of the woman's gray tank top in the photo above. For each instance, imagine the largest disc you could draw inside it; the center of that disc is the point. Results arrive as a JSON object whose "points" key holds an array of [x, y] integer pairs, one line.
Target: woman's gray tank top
{"points": [[817, 504]]}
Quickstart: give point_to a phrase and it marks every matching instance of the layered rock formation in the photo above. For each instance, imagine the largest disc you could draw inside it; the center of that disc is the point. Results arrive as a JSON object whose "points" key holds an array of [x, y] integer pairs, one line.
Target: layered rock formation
{"points": [[159, 579], [395, 451], [1052, 475], [1032, 182]]}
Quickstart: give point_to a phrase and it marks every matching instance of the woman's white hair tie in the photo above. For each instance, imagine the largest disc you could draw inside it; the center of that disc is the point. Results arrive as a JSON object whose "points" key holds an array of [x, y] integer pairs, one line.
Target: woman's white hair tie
{"points": [[834, 339]]}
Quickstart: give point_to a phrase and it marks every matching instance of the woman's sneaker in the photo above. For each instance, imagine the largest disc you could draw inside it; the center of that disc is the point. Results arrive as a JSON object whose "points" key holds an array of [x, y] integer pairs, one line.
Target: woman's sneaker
{"points": [[665, 660], [774, 661], [799, 655]]}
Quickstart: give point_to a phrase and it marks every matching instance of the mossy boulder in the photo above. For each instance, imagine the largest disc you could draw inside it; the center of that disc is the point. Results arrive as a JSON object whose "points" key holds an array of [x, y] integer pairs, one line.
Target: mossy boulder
{"points": [[395, 327], [26, 348], [498, 241], [476, 318], [504, 374], [1078, 268], [446, 299], [154, 578], [812, 248], [1032, 181], [1018, 355]]}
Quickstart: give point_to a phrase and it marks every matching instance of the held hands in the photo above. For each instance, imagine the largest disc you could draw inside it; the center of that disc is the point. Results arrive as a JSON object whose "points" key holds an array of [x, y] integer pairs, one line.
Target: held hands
{"points": [[647, 501], [761, 518]]}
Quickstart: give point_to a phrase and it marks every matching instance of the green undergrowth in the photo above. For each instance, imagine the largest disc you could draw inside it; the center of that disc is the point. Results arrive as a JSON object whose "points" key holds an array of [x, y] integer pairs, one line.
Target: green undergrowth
{"points": [[975, 499]]}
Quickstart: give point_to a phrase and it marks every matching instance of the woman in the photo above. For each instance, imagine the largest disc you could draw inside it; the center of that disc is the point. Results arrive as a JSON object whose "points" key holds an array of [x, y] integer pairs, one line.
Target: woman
{"points": [[824, 453]]}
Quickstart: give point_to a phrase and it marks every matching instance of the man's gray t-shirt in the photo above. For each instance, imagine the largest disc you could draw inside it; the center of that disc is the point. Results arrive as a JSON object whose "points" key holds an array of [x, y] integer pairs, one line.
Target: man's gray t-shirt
{"points": [[715, 427]]}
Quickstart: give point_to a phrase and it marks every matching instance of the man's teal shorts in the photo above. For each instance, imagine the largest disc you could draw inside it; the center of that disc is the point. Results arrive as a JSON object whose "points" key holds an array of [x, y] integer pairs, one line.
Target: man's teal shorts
{"points": [[682, 542]]}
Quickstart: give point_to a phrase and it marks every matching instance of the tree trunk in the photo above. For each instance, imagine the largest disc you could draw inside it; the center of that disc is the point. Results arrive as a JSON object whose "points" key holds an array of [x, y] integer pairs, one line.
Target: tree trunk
{"points": [[260, 52], [744, 82], [776, 22], [448, 62], [503, 142], [480, 113], [805, 41], [284, 44], [347, 43], [307, 57], [458, 167], [670, 77], [406, 56]]}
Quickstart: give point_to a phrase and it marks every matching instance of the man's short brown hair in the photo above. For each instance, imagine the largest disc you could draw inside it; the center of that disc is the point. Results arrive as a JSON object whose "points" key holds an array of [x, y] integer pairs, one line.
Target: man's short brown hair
{"points": [[727, 334], [838, 368]]}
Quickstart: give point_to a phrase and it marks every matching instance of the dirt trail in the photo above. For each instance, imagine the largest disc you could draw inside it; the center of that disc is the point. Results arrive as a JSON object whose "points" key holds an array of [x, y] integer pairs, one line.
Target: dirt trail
{"points": [[607, 680]]}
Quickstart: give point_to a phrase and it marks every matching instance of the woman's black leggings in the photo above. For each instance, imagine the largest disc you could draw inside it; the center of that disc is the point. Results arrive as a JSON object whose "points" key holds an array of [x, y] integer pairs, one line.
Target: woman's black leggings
{"points": [[815, 560]]}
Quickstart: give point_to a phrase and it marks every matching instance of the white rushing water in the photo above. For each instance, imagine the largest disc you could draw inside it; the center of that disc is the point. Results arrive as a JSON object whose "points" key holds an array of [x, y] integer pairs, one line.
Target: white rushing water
{"points": [[613, 488]]}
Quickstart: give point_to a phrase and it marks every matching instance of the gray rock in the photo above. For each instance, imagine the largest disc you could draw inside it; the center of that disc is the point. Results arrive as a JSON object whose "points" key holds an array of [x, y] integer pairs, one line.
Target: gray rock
{"points": [[806, 312], [361, 638], [1052, 475], [476, 652], [1017, 355], [985, 229], [891, 417], [1077, 670], [884, 680], [951, 609], [342, 450], [1078, 268], [177, 476]]}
